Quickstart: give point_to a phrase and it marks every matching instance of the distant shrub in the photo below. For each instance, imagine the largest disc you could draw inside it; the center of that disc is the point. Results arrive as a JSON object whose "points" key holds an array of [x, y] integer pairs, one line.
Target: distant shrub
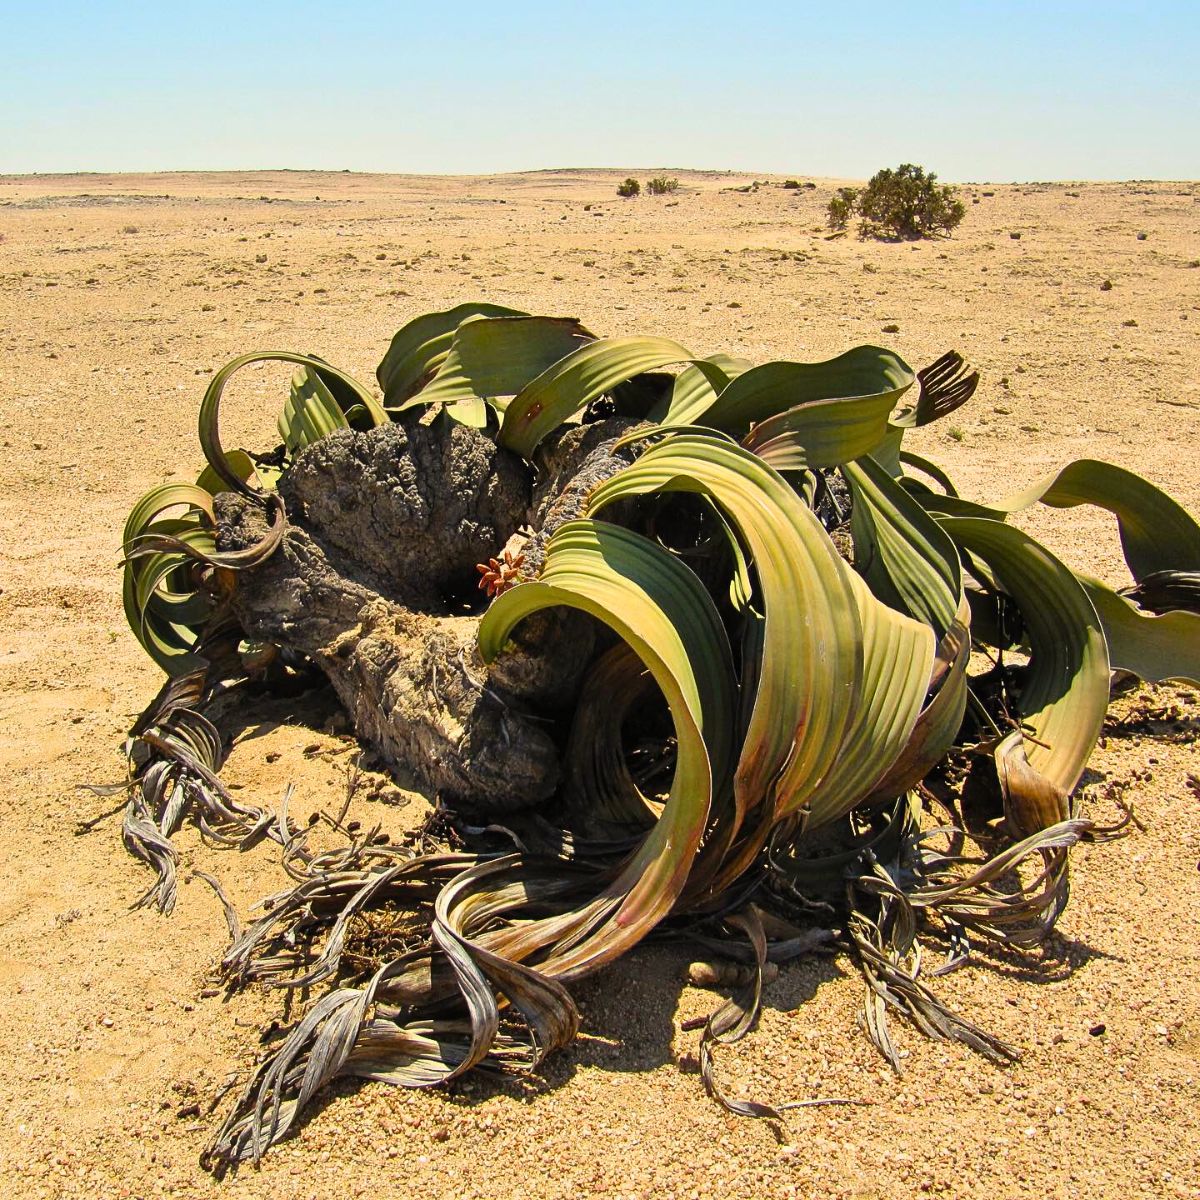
{"points": [[903, 203], [660, 185], [841, 207], [792, 185], [629, 188]]}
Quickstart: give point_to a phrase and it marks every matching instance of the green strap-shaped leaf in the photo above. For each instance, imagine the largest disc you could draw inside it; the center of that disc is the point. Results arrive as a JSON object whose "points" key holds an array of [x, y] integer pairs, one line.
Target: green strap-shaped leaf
{"points": [[910, 562], [221, 461], [575, 381], [420, 347], [1065, 696], [938, 725], [661, 610], [907, 559], [909, 459], [163, 589], [165, 609], [161, 605], [161, 499], [310, 412], [887, 453], [949, 506], [1155, 648], [773, 388], [472, 411], [811, 668], [693, 391], [498, 356], [597, 771], [244, 467], [822, 433], [897, 661], [1157, 533], [360, 408]]}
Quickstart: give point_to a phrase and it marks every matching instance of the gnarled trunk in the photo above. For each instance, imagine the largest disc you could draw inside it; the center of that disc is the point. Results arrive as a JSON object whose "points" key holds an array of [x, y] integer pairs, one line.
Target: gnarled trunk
{"points": [[376, 583]]}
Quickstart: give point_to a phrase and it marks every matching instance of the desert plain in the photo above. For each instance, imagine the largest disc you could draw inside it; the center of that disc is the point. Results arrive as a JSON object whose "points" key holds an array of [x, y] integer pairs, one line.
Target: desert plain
{"points": [[119, 296]]}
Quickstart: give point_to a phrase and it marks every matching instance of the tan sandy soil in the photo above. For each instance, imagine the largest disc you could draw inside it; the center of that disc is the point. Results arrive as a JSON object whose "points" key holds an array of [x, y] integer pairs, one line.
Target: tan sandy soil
{"points": [[120, 295]]}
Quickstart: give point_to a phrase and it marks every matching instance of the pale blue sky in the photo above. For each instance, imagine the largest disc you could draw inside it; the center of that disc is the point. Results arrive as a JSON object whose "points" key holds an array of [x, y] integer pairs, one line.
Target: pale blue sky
{"points": [[1100, 90]]}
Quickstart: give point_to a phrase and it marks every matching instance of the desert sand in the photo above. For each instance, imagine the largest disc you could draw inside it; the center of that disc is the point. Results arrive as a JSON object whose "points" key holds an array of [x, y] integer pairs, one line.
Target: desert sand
{"points": [[119, 295]]}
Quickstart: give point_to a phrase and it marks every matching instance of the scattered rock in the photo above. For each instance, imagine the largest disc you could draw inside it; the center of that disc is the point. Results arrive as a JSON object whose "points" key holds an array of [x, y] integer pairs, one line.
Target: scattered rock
{"points": [[728, 974]]}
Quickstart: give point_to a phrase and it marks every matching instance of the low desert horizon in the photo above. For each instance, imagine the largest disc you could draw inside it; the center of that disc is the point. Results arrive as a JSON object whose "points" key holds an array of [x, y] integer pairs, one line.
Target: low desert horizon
{"points": [[120, 294], [578, 169]]}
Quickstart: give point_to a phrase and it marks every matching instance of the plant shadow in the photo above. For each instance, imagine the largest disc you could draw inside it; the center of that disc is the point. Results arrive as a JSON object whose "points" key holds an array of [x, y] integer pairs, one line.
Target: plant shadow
{"points": [[1056, 960], [632, 1016], [252, 712]]}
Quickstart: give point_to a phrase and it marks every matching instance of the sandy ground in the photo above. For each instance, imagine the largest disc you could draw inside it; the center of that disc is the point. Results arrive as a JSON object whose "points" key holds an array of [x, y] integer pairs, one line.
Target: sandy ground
{"points": [[120, 295]]}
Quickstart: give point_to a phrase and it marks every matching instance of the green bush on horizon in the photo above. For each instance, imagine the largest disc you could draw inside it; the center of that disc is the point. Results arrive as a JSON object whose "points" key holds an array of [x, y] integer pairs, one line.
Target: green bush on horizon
{"points": [[906, 203]]}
